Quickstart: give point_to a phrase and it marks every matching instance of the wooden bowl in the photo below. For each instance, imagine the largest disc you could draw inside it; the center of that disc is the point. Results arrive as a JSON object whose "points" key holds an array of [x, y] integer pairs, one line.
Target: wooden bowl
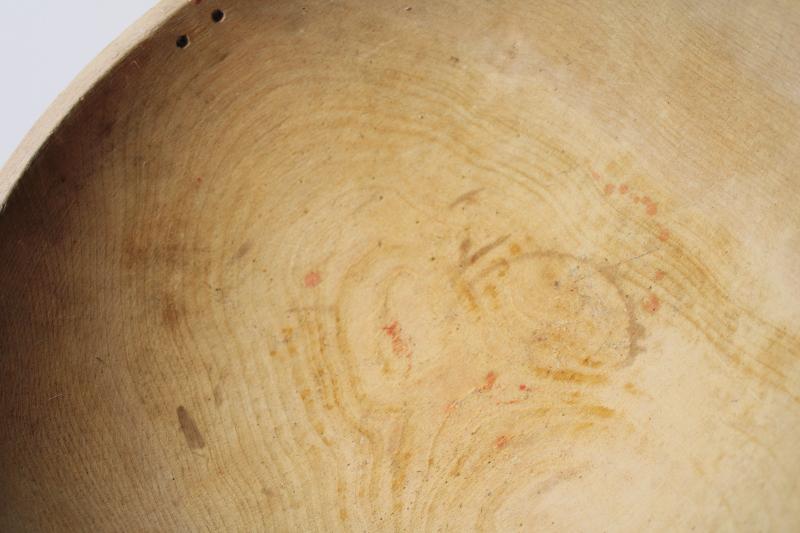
{"points": [[411, 266]]}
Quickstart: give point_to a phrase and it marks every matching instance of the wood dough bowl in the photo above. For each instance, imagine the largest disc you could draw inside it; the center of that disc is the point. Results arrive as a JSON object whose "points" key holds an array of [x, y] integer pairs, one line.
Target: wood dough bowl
{"points": [[411, 266]]}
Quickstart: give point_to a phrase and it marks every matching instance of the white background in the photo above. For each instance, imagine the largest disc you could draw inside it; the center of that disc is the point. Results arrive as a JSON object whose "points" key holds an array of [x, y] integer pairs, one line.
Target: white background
{"points": [[44, 44]]}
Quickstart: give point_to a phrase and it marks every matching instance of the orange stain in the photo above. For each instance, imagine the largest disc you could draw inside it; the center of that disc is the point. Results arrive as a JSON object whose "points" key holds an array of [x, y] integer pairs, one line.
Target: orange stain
{"points": [[515, 249], [609, 188], [663, 235], [636, 199], [595, 175], [312, 279], [507, 402], [651, 304], [501, 441], [491, 377], [659, 275], [631, 388], [623, 189]]}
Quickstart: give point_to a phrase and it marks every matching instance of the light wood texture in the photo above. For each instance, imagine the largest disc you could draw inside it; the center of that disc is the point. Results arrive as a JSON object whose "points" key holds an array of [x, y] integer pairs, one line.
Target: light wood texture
{"points": [[404, 266]]}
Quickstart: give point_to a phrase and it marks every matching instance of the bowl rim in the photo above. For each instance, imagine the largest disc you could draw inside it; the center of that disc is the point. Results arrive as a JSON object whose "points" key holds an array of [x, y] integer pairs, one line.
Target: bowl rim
{"points": [[16, 165]]}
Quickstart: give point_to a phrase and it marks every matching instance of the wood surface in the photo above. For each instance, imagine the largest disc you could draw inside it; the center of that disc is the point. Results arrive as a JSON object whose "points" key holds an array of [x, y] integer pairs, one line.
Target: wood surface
{"points": [[411, 266]]}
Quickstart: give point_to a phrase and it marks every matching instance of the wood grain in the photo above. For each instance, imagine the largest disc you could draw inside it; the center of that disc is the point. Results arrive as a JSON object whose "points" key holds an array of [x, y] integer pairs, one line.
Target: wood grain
{"points": [[391, 266]]}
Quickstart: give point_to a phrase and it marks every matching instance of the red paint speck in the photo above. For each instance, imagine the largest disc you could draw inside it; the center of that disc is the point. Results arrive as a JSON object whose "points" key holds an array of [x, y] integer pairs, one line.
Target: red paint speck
{"points": [[651, 304], [199, 179], [450, 407], [663, 235], [659, 275], [312, 279], [623, 189], [523, 387], [399, 344], [651, 208], [501, 441], [491, 377], [595, 175], [392, 329], [609, 188]]}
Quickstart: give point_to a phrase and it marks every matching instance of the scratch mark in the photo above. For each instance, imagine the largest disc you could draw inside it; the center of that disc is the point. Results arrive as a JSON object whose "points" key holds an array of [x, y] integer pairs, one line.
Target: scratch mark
{"points": [[466, 198], [618, 263], [376, 49], [487, 248]]}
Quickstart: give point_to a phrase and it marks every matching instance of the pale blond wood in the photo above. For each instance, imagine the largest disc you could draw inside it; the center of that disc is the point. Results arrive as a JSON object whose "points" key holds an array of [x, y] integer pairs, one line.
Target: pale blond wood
{"points": [[429, 266]]}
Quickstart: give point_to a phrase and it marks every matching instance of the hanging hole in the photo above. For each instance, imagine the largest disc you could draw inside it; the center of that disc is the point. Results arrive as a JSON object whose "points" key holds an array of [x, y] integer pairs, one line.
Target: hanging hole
{"points": [[217, 15], [182, 42]]}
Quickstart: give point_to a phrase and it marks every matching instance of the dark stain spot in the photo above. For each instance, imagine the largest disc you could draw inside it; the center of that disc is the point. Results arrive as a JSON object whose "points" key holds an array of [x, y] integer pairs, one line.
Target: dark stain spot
{"points": [[170, 314], [464, 248], [107, 127], [243, 249], [193, 437]]}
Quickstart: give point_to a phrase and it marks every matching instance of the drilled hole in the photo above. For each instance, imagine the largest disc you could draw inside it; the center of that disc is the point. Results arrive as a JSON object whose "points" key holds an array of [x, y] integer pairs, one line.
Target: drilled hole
{"points": [[217, 15], [182, 42]]}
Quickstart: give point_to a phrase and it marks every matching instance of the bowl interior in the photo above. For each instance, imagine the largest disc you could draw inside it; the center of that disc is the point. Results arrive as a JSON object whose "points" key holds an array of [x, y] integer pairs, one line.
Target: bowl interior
{"points": [[443, 265]]}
